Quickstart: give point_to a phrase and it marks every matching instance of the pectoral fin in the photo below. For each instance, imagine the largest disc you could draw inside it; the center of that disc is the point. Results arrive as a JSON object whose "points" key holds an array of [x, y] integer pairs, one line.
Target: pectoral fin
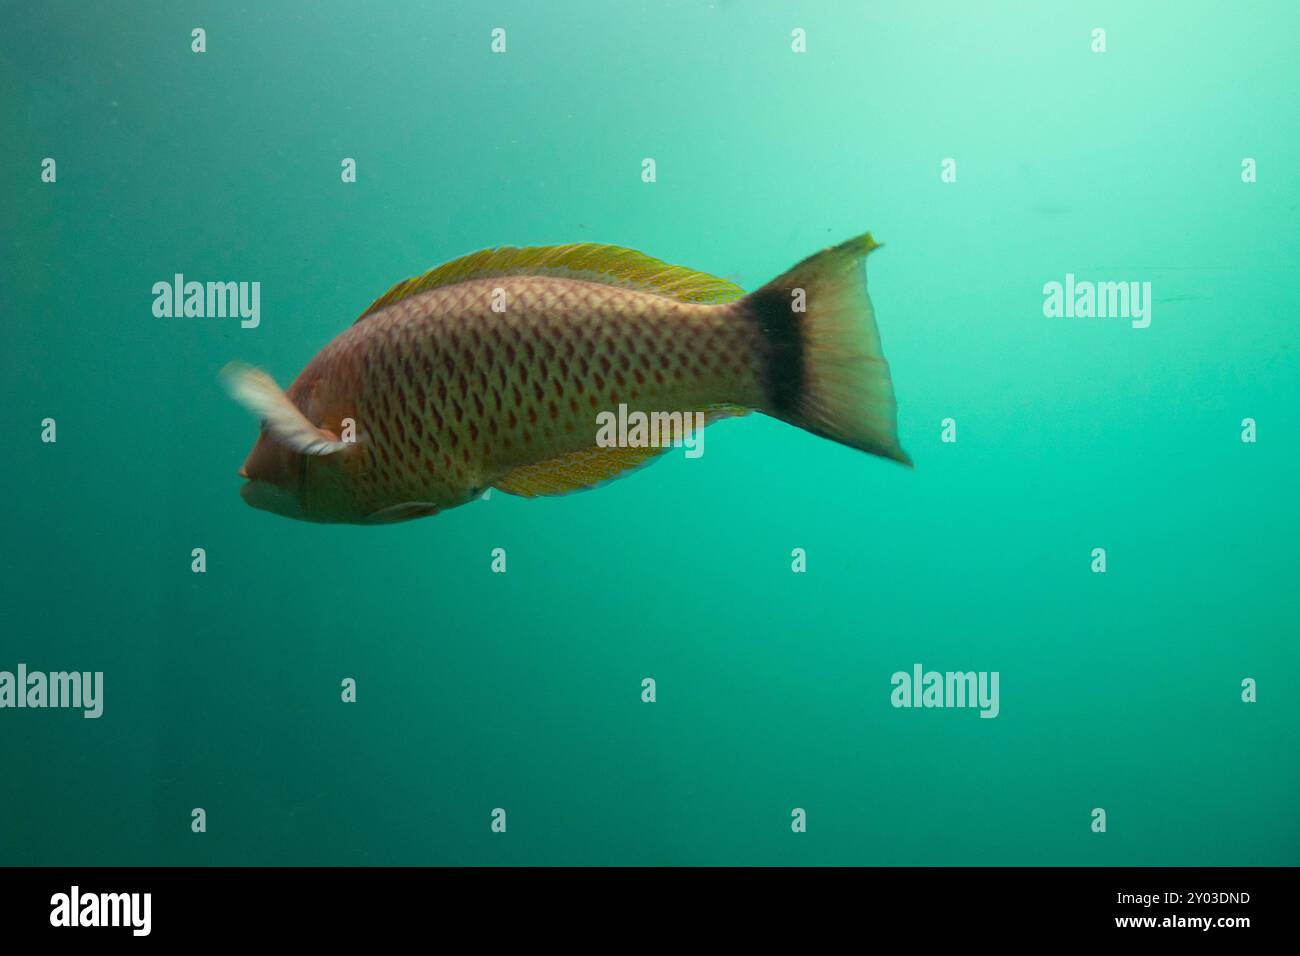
{"points": [[403, 512], [257, 392]]}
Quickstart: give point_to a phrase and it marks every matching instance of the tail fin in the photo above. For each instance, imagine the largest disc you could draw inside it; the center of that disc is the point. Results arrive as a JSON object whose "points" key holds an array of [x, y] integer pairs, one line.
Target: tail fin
{"points": [[825, 369]]}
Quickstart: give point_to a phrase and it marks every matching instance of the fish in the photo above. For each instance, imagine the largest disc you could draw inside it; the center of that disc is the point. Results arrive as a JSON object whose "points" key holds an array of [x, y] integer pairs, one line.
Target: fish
{"points": [[493, 371]]}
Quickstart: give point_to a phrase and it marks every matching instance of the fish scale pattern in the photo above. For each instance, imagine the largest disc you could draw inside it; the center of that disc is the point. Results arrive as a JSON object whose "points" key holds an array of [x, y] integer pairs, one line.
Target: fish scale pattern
{"points": [[449, 394]]}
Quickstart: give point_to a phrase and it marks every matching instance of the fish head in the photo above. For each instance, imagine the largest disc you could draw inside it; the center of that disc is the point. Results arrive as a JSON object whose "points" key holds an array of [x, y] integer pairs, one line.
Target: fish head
{"points": [[300, 467], [275, 478], [295, 485]]}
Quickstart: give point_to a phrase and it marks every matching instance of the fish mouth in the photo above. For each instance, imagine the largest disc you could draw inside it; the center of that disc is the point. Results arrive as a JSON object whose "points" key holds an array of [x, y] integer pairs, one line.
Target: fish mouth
{"points": [[255, 495], [265, 496], [256, 491]]}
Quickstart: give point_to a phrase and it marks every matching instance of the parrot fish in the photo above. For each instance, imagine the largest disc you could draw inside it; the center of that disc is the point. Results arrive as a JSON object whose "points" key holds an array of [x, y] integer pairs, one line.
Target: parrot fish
{"points": [[492, 371]]}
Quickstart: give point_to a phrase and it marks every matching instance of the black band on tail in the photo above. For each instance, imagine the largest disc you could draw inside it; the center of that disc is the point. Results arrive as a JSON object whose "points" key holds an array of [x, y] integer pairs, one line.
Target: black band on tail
{"points": [[771, 309]]}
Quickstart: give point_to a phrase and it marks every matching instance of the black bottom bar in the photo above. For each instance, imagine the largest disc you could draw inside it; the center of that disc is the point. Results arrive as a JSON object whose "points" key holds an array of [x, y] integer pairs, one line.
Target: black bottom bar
{"points": [[237, 904]]}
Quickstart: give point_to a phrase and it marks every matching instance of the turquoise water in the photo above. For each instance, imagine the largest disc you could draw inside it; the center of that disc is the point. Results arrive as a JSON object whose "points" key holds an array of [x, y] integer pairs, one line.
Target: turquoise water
{"points": [[523, 691]]}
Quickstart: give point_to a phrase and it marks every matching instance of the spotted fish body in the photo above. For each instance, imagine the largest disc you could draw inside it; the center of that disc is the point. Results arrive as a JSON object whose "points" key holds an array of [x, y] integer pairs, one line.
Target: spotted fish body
{"points": [[492, 370]]}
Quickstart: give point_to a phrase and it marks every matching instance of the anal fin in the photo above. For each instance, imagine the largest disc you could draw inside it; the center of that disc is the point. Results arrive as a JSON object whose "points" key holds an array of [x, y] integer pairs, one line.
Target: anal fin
{"points": [[576, 471], [591, 467]]}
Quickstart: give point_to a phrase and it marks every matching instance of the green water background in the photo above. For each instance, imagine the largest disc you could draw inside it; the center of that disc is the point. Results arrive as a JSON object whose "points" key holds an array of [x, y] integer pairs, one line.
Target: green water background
{"points": [[522, 691]]}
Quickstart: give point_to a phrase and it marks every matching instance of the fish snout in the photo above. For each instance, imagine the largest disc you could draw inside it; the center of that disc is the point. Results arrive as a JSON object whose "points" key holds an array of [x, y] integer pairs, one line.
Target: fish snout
{"points": [[267, 461]]}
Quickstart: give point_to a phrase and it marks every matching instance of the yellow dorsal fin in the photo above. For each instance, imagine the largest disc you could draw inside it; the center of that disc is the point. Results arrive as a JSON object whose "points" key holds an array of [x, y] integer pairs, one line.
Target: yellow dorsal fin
{"points": [[590, 467], [589, 261]]}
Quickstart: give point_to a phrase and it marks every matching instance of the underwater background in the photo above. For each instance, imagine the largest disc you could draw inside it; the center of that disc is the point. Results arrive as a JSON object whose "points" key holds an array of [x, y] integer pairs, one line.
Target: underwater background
{"points": [[523, 691]]}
